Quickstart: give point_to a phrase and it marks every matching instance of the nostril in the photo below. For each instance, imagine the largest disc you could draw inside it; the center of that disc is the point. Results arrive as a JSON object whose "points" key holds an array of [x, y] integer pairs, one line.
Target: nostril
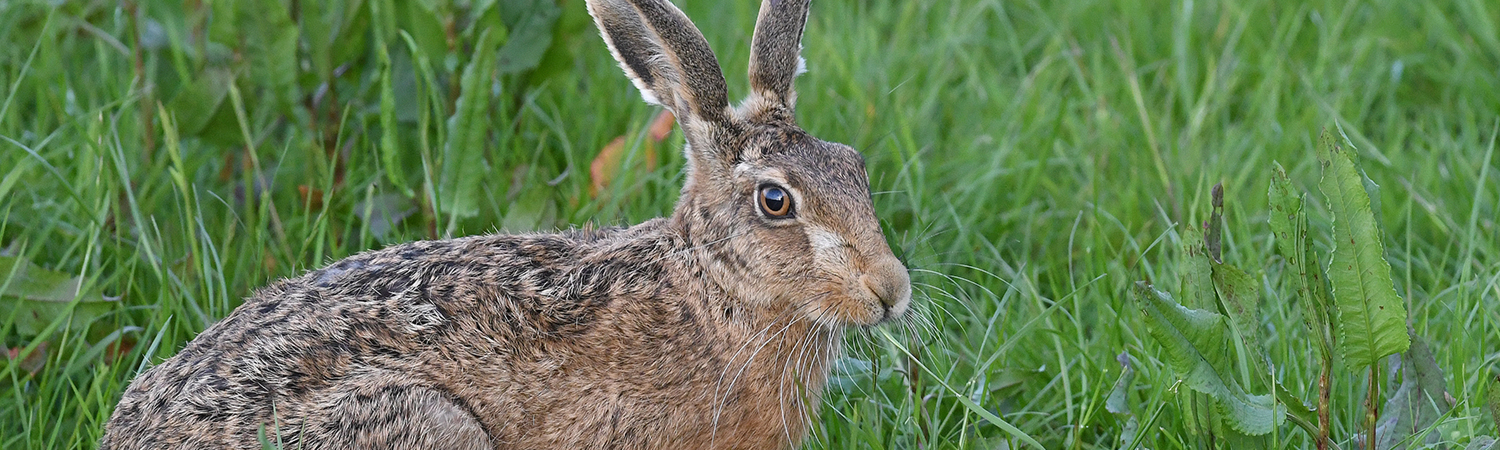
{"points": [[884, 291]]}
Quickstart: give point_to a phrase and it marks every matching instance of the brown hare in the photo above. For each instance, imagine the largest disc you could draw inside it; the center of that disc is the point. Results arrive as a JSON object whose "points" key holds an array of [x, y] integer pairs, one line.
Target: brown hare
{"points": [[712, 328]]}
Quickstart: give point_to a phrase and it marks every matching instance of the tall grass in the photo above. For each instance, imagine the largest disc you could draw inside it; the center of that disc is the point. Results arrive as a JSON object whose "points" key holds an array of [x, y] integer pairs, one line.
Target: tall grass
{"points": [[1030, 161]]}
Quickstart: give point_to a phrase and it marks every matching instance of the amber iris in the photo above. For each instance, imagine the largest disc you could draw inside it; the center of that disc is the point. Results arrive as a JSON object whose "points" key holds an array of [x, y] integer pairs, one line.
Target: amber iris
{"points": [[775, 202]]}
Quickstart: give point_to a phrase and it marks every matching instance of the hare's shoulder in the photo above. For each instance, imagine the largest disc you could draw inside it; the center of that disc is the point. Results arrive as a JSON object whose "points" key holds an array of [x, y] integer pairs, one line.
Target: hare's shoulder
{"points": [[524, 284]]}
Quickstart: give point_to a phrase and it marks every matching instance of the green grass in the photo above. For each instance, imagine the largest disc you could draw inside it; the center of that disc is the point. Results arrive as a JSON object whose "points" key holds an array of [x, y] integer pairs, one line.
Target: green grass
{"points": [[1030, 160]]}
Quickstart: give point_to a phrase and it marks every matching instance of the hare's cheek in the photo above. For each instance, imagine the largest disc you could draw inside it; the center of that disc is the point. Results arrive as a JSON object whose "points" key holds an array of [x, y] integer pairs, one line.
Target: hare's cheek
{"points": [[831, 253]]}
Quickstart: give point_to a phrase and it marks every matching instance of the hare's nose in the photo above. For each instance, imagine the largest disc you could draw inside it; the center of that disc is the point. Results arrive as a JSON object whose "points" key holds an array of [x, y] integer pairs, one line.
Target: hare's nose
{"points": [[890, 283]]}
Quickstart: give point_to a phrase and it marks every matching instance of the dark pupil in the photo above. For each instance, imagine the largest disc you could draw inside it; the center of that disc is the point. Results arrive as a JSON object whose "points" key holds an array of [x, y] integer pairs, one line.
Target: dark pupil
{"points": [[775, 199]]}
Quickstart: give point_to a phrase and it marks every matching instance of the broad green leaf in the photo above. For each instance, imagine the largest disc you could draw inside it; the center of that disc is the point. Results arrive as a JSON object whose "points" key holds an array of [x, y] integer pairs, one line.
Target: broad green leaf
{"points": [[1118, 401], [390, 146], [423, 21], [195, 104], [1371, 317], [318, 22], [530, 24], [1483, 443], [349, 41], [463, 152], [334, 32], [1129, 432], [1288, 222], [224, 26], [270, 46], [1493, 400], [558, 60], [1239, 296], [1197, 276], [37, 297], [1421, 399], [533, 209], [1198, 344]]}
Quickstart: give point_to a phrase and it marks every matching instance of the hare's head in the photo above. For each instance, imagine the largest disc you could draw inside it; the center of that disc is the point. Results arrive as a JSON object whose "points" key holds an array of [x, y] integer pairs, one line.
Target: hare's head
{"points": [[778, 217]]}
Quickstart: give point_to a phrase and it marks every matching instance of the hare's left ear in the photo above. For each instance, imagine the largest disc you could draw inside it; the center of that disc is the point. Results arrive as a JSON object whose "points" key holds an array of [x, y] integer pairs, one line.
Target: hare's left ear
{"points": [[776, 52]]}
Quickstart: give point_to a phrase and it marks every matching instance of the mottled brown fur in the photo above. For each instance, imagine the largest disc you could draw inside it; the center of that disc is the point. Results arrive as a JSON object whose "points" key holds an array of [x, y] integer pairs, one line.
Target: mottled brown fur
{"points": [[711, 328]]}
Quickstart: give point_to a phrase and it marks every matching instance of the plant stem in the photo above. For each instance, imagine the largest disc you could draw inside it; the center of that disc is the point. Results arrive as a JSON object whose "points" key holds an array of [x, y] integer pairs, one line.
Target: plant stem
{"points": [[1324, 400], [1371, 408]]}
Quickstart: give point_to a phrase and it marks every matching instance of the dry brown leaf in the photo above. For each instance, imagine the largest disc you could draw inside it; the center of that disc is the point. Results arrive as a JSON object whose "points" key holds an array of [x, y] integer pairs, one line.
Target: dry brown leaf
{"points": [[606, 165], [312, 197], [661, 126], [33, 361]]}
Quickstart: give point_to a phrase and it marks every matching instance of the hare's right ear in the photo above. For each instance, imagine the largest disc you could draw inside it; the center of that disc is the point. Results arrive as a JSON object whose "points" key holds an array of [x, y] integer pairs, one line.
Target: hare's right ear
{"points": [[665, 56], [776, 52]]}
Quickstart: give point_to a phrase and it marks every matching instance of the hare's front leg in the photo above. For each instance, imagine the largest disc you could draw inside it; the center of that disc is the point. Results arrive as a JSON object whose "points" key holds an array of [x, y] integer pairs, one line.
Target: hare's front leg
{"points": [[379, 412]]}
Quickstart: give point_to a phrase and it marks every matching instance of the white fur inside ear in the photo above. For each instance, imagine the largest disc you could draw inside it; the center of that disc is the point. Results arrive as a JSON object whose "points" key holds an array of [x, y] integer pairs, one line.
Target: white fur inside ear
{"points": [[801, 63]]}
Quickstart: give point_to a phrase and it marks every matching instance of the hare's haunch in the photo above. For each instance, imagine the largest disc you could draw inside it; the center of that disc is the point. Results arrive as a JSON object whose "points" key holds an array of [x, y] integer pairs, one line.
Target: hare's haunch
{"points": [[711, 328]]}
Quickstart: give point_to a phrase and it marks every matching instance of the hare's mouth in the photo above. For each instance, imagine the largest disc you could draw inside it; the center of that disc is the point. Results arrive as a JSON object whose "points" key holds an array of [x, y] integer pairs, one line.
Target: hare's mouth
{"points": [[862, 303]]}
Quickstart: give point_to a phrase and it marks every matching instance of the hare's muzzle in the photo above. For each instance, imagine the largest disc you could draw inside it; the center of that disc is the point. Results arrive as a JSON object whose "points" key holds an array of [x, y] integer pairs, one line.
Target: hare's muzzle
{"points": [[888, 281]]}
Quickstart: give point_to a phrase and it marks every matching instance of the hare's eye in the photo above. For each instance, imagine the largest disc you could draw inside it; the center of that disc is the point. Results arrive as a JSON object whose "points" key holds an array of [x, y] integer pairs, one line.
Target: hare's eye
{"points": [[775, 202]]}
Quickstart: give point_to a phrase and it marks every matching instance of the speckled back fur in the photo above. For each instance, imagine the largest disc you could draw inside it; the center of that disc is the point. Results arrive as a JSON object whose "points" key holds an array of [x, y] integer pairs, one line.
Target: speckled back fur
{"points": [[710, 328]]}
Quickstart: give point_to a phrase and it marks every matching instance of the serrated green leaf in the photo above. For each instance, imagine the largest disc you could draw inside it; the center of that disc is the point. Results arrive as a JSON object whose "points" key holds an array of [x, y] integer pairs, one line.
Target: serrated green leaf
{"points": [[1371, 316], [1239, 296], [389, 142], [463, 152], [1198, 345], [1493, 399], [1288, 222], [1197, 276], [1229, 438], [37, 297], [1411, 411], [270, 48]]}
